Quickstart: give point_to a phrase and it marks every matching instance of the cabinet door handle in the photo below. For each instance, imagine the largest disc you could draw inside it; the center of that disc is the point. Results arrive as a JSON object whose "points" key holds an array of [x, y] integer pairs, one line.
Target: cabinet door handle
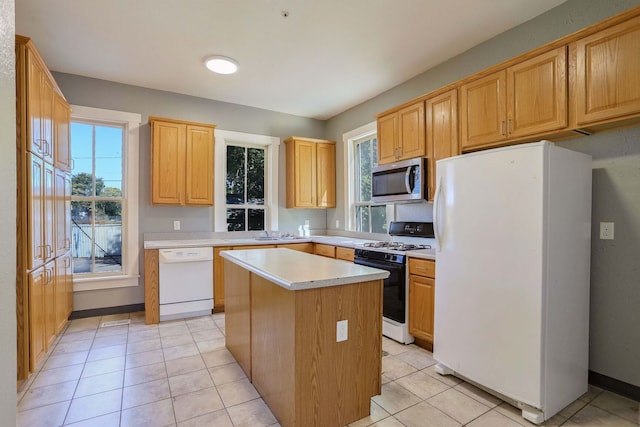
{"points": [[179, 197], [501, 127], [188, 197], [508, 126]]}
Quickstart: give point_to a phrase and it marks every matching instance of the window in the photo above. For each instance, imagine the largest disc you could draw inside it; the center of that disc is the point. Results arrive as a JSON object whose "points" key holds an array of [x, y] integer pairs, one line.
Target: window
{"points": [[96, 197], [245, 188], [104, 198], [246, 181], [361, 147]]}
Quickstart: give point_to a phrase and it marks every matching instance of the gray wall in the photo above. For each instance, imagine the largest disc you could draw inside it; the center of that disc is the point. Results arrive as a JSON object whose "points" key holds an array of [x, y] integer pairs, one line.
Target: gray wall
{"points": [[8, 215], [615, 277], [114, 96]]}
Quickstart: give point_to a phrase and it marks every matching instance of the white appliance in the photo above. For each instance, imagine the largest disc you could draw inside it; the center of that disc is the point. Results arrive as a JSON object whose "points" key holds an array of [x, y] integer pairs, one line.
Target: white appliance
{"points": [[186, 282], [513, 232]]}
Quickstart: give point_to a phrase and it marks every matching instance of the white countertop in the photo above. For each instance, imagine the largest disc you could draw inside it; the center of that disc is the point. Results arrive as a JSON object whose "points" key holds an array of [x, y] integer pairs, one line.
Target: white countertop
{"points": [[422, 253], [295, 270], [191, 243]]}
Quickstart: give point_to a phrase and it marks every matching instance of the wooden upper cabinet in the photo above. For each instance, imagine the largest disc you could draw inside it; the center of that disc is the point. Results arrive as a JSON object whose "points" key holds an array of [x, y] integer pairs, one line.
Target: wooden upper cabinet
{"points": [[199, 169], [607, 70], [442, 132], [326, 175], [483, 110], [401, 134], [311, 173], [387, 138], [181, 162], [537, 91], [36, 251], [61, 135], [528, 98]]}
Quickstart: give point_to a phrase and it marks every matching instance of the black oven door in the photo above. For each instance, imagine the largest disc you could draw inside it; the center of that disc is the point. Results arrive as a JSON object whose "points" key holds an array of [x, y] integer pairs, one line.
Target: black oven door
{"points": [[394, 296]]}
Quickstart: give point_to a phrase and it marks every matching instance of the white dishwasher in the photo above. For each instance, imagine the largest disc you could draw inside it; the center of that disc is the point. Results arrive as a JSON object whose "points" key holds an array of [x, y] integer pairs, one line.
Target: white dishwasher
{"points": [[186, 282]]}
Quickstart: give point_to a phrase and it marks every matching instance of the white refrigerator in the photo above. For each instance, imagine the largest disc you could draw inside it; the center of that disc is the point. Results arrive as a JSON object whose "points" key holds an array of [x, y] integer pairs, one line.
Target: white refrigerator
{"points": [[513, 233]]}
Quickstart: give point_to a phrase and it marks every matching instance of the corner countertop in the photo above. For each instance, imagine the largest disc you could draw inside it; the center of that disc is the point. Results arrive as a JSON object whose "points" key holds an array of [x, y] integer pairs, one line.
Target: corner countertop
{"points": [[348, 242], [292, 269]]}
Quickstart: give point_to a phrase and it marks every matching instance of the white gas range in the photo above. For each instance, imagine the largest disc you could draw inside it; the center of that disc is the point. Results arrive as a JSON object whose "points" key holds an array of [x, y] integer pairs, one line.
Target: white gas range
{"points": [[391, 256]]}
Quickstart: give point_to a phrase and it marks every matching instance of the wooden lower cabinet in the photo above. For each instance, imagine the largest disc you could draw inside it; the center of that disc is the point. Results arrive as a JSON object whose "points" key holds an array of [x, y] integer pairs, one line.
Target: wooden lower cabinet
{"points": [[324, 250], [218, 278], [421, 298], [346, 254], [63, 291], [303, 247], [42, 312]]}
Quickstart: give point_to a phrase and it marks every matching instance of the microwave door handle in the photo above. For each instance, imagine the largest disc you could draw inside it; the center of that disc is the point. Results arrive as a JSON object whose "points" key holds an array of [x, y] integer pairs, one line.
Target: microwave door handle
{"points": [[407, 180], [436, 216]]}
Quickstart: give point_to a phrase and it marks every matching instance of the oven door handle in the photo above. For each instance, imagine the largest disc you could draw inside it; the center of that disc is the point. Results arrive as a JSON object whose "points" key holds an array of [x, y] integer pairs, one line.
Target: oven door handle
{"points": [[380, 265]]}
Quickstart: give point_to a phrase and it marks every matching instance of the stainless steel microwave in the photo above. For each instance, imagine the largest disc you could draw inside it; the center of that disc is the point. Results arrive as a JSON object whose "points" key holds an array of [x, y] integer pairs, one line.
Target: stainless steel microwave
{"points": [[399, 182]]}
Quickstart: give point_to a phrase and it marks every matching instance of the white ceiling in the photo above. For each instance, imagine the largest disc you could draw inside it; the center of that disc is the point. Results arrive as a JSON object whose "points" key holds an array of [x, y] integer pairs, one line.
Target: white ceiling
{"points": [[325, 57]]}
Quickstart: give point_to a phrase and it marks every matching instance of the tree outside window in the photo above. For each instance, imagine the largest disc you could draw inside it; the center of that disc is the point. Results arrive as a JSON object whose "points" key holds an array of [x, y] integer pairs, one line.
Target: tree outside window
{"points": [[245, 188], [369, 217]]}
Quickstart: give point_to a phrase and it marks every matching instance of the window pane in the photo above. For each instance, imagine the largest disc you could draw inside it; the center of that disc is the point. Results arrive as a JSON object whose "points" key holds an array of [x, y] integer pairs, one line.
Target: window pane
{"points": [[255, 178], [82, 237], [235, 175], [374, 154], [362, 218], [363, 174], [82, 154], [378, 219], [256, 219], [235, 220], [108, 245], [108, 152]]}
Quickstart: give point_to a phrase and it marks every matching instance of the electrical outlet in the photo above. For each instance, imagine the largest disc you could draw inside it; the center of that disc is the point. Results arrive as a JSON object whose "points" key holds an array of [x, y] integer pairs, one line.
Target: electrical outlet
{"points": [[337, 223], [342, 330], [306, 222], [606, 230], [176, 225]]}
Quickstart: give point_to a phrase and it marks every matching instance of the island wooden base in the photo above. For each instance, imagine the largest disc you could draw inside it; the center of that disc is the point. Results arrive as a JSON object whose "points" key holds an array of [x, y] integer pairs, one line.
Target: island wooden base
{"points": [[286, 343]]}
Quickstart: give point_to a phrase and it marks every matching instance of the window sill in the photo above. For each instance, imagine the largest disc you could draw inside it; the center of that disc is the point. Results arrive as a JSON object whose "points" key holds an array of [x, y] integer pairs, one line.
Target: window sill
{"points": [[104, 282]]}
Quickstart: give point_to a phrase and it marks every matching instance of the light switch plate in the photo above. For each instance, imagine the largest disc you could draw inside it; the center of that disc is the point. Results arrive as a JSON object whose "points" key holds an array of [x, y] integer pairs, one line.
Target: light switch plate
{"points": [[342, 330], [606, 230], [176, 225]]}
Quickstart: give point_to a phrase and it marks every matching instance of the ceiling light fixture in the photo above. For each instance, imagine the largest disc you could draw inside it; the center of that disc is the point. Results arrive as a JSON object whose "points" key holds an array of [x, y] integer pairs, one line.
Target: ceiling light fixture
{"points": [[221, 64]]}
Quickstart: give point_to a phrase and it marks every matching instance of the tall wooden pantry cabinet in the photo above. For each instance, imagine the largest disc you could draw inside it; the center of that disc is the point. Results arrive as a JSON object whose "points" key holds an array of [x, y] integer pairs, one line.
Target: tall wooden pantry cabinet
{"points": [[44, 287]]}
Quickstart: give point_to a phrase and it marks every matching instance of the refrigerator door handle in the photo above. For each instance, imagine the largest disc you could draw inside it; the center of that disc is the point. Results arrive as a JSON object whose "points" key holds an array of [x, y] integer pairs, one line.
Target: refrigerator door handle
{"points": [[436, 221]]}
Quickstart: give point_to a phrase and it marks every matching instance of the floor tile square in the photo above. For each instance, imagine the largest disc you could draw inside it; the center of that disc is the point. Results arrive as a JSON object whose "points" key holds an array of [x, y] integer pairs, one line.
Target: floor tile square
{"points": [[154, 414], [144, 345], [65, 359], [493, 419], [591, 415], [109, 352], [144, 374], [196, 403], [103, 366], [254, 413], [394, 368], [425, 415], [218, 419], [145, 358], [43, 416], [112, 331], [218, 358], [376, 413], [211, 345], [207, 334], [168, 331], [186, 350], [141, 394], [395, 398], [184, 365], [388, 422], [618, 405], [416, 357], [78, 336], [458, 406], [94, 405], [108, 341], [227, 373], [176, 340], [192, 381], [99, 384], [107, 420], [136, 335], [57, 375], [422, 385], [449, 380], [47, 395], [72, 346], [237, 392]]}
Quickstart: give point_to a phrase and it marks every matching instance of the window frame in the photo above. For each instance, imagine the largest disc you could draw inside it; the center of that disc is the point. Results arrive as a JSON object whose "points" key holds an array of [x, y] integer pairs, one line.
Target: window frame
{"points": [[271, 144], [130, 274], [350, 139]]}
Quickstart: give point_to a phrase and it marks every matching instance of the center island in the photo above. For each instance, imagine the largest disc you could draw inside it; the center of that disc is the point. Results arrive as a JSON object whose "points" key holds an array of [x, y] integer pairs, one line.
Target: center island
{"points": [[282, 309]]}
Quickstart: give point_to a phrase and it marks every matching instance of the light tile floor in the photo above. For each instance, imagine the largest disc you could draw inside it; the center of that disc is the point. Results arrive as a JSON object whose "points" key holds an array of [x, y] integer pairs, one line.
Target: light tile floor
{"points": [[180, 374]]}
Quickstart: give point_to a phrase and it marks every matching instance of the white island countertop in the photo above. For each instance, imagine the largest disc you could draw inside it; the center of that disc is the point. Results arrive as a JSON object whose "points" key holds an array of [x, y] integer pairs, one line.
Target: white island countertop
{"points": [[295, 270]]}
